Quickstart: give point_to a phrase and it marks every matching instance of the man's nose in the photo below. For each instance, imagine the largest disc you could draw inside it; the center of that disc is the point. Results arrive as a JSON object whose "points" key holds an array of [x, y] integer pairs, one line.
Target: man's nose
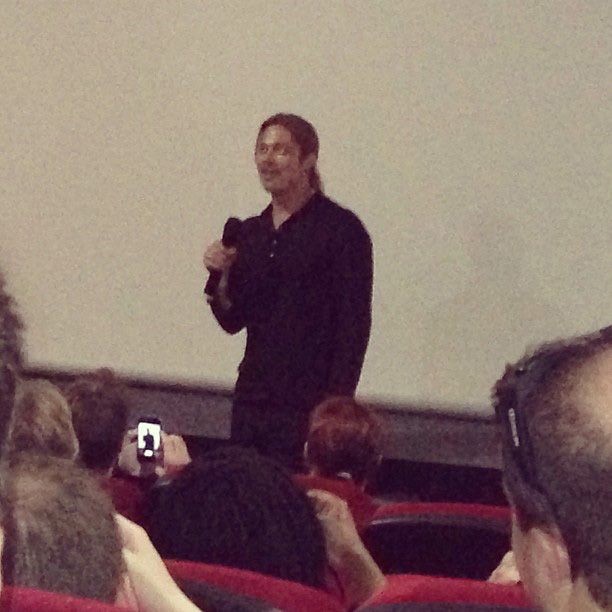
{"points": [[265, 156]]}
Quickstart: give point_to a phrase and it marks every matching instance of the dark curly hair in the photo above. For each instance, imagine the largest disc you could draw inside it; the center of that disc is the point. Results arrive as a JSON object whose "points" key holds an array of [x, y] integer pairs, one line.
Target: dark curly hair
{"points": [[236, 508]]}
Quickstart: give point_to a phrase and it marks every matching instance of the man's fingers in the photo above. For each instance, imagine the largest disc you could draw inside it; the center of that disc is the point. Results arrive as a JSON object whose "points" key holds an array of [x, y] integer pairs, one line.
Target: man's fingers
{"points": [[219, 257]]}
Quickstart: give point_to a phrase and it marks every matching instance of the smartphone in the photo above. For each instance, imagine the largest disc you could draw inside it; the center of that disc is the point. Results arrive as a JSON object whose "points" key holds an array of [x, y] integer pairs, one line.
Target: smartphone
{"points": [[149, 440]]}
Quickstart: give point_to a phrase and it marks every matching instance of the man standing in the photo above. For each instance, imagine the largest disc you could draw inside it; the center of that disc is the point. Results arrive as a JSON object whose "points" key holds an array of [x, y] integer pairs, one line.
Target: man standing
{"points": [[300, 281]]}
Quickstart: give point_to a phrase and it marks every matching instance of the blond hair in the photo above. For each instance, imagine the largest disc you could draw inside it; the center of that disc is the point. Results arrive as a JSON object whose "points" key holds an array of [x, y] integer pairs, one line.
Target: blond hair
{"points": [[42, 422]]}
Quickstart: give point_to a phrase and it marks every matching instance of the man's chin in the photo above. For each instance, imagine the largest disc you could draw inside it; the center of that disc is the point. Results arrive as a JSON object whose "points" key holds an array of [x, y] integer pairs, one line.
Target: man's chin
{"points": [[270, 187]]}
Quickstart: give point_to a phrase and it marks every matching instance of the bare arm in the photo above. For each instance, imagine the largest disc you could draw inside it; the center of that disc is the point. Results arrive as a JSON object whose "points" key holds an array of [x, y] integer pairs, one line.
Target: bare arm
{"points": [[358, 573], [148, 586]]}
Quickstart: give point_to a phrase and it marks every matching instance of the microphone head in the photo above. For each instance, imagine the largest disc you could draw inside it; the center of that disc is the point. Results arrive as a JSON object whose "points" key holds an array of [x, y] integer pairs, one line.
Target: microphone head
{"points": [[231, 232]]}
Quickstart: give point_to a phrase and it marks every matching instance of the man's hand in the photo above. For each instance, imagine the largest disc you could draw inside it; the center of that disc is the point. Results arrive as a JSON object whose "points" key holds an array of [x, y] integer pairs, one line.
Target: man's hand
{"points": [[341, 536], [218, 257], [357, 571], [174, 456], [127, 461]]}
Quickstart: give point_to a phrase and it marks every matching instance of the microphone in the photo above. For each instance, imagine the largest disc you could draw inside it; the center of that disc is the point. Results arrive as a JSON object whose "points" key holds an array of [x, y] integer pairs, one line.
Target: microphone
{"points": [[231, 231]]}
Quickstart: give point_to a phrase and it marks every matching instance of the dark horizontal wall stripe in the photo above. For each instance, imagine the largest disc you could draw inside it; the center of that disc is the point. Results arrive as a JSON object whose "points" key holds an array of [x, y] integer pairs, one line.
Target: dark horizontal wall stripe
{"points": [[414, 433]]}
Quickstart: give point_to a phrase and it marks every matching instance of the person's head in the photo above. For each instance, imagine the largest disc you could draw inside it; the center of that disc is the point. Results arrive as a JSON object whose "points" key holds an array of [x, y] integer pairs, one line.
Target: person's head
{"points": [[344, 440], [42, 422], [11, 360], [235, 508], [286, 153], [60, 533], [555, 410], [99, 414]]}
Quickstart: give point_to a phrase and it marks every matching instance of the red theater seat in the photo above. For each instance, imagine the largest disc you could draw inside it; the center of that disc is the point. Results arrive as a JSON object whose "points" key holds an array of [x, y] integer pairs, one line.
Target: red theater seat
{"points": [[284, 594], [425, 593], [439, 539], [18, 599]]}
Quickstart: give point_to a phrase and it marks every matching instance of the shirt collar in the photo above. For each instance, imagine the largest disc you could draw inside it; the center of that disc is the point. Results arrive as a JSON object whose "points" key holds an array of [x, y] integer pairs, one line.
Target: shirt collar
{"points": [[266, 214]]}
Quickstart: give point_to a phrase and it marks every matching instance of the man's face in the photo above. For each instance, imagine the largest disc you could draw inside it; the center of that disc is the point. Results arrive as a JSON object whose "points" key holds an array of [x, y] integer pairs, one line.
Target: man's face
{"points": [[278, 162]]}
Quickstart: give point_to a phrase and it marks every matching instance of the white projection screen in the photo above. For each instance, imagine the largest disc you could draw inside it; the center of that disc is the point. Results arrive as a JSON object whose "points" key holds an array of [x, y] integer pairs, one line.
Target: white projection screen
{"points": [[471, 137]]}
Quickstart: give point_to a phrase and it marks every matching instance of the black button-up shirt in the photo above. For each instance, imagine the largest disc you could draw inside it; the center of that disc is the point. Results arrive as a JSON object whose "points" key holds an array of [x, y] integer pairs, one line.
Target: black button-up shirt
{"points": [[304, 293]]}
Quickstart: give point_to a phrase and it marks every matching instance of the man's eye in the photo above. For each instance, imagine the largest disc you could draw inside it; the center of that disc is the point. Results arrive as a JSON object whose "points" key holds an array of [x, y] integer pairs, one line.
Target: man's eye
{"points": [[276, 150]]}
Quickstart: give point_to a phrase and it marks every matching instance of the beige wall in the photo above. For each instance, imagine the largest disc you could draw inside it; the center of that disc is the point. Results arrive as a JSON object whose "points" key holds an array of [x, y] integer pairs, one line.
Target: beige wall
{"points": [[473, 139]]}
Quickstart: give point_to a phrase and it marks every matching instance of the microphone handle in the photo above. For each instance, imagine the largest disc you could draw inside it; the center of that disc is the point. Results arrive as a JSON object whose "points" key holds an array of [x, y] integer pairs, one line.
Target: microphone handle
{"points": [[214, 278], [229, 239]]}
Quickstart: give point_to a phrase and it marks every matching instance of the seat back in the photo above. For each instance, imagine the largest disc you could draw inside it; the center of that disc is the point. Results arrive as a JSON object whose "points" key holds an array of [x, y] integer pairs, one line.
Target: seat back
{"points": [[412, 593], [20, 599], [284, 594], [439, 539]]}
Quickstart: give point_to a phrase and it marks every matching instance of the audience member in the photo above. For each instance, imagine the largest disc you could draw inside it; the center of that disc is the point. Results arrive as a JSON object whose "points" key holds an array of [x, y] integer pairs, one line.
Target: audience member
{"points": [[555, 409], [99, 413], [61, 535], [342, 452], [233, 507], [59, 531], [41, 422]]}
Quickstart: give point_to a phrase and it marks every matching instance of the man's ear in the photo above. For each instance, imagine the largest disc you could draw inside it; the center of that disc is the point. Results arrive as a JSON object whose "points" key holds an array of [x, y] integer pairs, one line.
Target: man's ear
{"points": [[549, 567], [310, 161], [553, 553]]}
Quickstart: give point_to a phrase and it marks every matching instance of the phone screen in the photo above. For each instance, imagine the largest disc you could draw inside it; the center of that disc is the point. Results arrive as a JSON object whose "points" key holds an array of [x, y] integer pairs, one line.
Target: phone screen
{"points": [[149, 438]]}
